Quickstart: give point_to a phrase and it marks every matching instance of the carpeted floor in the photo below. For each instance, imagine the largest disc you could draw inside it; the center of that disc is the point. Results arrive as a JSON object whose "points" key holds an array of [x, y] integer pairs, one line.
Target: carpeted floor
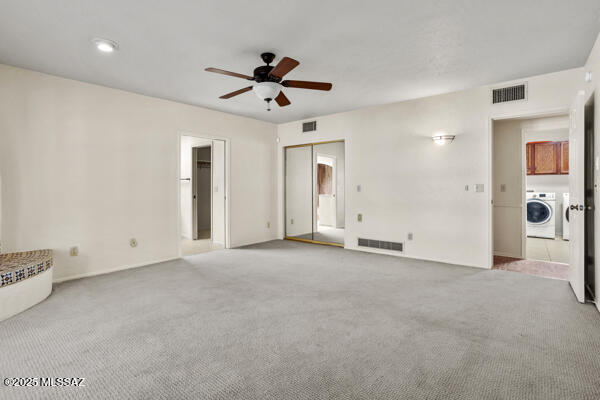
{"points": [[289, 320]]}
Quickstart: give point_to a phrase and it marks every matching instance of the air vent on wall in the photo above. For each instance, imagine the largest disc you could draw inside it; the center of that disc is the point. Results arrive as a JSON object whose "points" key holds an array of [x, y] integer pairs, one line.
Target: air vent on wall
{"points": [[309, 126], [509, 93], [380, 244]]}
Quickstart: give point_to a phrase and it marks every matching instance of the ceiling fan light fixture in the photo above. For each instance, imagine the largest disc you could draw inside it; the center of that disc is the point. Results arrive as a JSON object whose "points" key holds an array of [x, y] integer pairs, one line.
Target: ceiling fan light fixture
{"points": [[267, 90]]}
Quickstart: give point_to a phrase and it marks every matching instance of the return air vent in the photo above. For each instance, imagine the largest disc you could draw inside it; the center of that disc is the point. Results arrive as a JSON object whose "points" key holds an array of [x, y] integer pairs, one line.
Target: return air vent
{"points": [[309, 126], [380, 244], [509, 93]]}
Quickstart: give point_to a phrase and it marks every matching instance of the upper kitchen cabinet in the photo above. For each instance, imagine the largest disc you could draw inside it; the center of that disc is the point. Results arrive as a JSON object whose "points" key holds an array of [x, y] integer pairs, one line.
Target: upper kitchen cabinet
{"points": [[547, 158]]}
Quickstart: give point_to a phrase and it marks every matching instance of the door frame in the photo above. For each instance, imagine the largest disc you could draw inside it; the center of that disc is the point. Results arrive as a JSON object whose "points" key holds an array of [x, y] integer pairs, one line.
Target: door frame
{"points": [[552, 112], [284, 148], [227, 175]]}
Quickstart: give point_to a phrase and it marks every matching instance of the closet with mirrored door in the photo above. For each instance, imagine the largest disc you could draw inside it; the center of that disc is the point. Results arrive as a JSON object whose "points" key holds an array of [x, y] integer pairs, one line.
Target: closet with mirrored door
{"points": [[315, 193]]}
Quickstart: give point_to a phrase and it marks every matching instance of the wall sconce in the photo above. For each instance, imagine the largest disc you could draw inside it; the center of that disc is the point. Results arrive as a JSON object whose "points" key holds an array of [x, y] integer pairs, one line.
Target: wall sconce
{"points": [[442, 139]]}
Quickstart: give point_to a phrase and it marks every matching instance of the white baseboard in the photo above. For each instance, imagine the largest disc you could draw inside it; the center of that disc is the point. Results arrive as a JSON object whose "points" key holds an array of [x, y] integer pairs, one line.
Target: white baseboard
{"points": [[503, 254], [108, 271]]}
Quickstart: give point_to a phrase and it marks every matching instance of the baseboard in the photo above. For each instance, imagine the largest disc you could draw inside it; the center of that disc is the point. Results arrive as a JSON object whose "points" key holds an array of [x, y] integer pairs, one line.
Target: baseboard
{"points": [[503, 254], [108, 271]]}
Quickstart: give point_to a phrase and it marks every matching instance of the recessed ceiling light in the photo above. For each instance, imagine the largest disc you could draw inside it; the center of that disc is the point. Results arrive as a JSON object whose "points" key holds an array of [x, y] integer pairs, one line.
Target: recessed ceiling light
{"points": [[105, 45]]}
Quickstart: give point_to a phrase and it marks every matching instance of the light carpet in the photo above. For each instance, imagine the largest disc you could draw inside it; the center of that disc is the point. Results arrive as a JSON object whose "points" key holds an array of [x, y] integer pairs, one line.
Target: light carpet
{"points": [[288, 320]]}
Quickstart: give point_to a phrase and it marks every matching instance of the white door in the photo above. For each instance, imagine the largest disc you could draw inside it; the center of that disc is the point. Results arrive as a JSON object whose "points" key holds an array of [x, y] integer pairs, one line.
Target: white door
{"points": [[577, 197], [218, 191]]}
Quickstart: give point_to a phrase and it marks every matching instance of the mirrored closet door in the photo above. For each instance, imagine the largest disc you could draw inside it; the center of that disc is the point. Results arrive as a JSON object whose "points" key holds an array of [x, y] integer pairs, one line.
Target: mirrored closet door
{"points": [[315, 192]]}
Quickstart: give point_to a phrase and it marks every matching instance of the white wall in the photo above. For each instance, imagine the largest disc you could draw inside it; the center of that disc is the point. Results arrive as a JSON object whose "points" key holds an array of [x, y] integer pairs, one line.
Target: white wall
{"points": [[593, 87], [89, 166], [411, 185], [187, 143], [508, 164]]}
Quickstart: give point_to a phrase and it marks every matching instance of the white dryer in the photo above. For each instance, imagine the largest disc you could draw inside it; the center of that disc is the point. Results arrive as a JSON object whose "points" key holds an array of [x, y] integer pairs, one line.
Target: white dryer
{"points": [[541, 215], [565, 216]]}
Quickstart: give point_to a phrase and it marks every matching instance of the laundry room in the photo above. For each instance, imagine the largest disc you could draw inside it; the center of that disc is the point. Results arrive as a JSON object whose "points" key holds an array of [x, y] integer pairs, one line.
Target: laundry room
{"points": [[547, 191], [530, 175]]}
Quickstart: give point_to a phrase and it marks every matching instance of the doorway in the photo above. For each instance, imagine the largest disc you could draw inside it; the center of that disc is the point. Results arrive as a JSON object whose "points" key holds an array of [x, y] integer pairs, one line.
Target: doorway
{"points": [[589, 201], [202, 193], [530, 195], [315, 192]]}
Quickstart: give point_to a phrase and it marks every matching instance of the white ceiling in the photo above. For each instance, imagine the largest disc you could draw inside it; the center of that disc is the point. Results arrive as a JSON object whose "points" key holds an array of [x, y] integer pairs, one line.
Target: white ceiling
{"points": [[374, 52]]}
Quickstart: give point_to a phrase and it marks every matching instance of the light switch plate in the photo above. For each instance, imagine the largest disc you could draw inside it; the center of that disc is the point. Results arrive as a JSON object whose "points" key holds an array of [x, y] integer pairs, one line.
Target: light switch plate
{"points": [[74, 251], [479, 187], [358, 188], [359, 218], [503, 187]]}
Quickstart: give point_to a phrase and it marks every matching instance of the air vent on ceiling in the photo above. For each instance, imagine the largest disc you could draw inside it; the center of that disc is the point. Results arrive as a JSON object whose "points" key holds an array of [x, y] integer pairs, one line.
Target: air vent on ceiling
{"points": [[509, 93], [380, 244], [309, 126]]}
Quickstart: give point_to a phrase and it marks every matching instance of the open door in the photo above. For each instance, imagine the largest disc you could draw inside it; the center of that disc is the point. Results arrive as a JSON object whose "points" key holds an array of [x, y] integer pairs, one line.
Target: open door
{"points": [[577, 197]]}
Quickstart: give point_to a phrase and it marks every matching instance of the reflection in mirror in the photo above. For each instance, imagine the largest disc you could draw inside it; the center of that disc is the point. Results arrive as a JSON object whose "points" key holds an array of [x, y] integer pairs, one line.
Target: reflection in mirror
{"points": [[328, 203]]}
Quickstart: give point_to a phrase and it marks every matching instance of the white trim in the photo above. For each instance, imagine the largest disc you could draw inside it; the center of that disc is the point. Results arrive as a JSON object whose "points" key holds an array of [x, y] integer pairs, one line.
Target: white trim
{"points": [[108, 271], [503, 254]]}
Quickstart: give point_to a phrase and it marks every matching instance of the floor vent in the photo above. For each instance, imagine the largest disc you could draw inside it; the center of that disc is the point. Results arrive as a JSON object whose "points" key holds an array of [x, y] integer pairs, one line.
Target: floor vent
{"points": [[509, 93], [380, 244], [309, 126]]}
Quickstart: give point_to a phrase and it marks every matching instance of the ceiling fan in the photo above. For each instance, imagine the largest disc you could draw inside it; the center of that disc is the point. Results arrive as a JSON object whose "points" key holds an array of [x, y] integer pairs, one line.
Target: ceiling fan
{"points": [[269, 80]]}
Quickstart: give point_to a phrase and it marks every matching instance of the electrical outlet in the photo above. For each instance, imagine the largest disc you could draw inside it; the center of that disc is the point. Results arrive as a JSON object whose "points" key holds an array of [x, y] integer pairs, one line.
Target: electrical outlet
{"points": [[410, 236], [359, 218], [466, 188], [133, 242], [74, 251], [292, 221], [479, 187]]}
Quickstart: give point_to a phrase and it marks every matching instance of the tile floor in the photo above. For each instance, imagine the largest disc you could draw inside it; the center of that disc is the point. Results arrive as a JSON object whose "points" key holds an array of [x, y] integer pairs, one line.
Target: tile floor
{"points": [[555, 250], [191, 247], [532, 267]]}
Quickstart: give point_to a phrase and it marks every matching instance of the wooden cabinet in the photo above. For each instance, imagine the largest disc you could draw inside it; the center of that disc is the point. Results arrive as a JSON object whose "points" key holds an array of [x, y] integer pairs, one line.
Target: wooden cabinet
{"points": [[529, 152], [564, 157], [547, 158]]}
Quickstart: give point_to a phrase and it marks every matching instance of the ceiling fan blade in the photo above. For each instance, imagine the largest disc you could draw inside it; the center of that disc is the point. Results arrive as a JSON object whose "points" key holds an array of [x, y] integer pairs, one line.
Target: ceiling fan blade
{"points": [[282, 100], [222, 71], [230, 95], [283, 67], [308, 85]]}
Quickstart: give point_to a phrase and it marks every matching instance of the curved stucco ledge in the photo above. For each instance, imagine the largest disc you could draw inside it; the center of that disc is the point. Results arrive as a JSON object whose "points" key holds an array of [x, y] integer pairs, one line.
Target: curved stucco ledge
{"points": [[26, 279]]}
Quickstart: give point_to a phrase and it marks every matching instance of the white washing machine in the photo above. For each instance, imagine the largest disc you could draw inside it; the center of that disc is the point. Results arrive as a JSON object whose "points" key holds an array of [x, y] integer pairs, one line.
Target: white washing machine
{"points": [[565, 216], [541, 215]]}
